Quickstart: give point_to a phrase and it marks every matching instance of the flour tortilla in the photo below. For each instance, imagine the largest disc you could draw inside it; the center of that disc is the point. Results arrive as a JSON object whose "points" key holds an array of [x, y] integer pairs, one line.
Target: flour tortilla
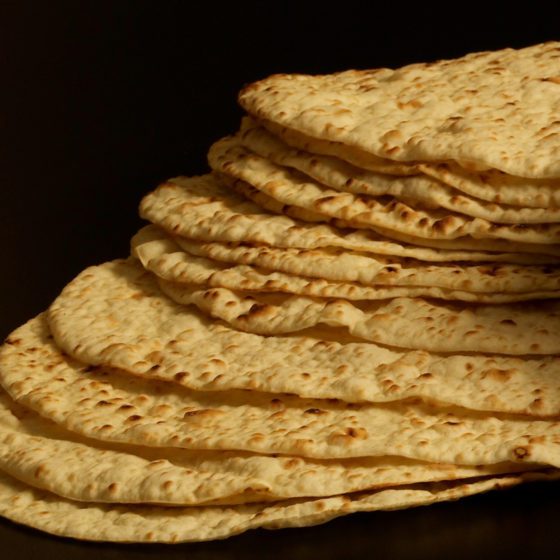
{"points": [[39, 453], [351, 154], [488, 184], [418, 189], [104, 405], [370, 270], [115, 315], [485, 110], [469, 244], [160, 254], [229, 157], [202, 208], [409, 323], [96, 522], [498, 187], [303, 215]]}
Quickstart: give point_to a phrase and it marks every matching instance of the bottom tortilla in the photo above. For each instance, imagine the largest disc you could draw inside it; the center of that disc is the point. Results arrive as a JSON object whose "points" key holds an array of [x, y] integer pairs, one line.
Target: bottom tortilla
{"points": [[96, 522]]}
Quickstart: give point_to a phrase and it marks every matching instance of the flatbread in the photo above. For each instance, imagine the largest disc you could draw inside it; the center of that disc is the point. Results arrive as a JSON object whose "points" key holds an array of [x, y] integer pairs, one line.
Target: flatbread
{"points": [[417, 189], [498, 187], [351, 154], [203, 209], [409, 323], [488, 184], [370, 270], [290, 187], [302, 215], [39, 453], [465, 243], [105, 405], [485, 110], [96, 522], [115, 315], [160, 254]]}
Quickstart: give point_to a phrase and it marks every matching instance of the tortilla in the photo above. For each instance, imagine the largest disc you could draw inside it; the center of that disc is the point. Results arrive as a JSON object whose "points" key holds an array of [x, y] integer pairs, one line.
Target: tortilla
{"points": [[484, 110], [421, 189], [96, 522], [115, 315], [39, 453], [202, 208], [161, 255], [289, 187], [410, 323], [102, 404]]}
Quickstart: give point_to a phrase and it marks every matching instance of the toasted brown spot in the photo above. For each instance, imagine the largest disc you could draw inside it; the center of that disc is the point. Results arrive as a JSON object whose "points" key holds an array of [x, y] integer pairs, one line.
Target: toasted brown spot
{"points": [[256, 310], [112, 487], [552, 79], [426, 375], [217, 362], [537, 403], [315, 411], [443, 224], [103, 403], [202, 413], [492, 270], [521, 452], [291, 463], [13, 341], [413, 104], [498, 374], [325, 199], [320, 506], [134, 418], [193, 413], [358, 433]]}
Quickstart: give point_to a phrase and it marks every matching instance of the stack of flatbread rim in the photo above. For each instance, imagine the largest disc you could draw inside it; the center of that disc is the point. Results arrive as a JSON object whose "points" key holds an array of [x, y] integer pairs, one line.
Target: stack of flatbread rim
{"points": [[357, 309]]}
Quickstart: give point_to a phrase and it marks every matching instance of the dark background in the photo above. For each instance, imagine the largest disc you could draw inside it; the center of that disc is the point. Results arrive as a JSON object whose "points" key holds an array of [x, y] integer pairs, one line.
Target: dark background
{"points": [[102, 100]]}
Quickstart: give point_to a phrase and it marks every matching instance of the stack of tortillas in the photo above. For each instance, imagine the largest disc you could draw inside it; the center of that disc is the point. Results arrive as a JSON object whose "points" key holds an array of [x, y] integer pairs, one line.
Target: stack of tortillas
{"points": [[357, 310]]}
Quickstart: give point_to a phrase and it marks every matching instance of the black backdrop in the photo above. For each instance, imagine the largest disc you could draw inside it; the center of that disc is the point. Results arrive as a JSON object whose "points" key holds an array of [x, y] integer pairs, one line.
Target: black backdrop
{"points": [[101, 100]]}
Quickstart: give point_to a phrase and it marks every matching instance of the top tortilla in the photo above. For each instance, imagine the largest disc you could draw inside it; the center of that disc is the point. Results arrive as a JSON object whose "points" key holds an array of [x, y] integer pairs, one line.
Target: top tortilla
{"points": [[484, 110]]}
